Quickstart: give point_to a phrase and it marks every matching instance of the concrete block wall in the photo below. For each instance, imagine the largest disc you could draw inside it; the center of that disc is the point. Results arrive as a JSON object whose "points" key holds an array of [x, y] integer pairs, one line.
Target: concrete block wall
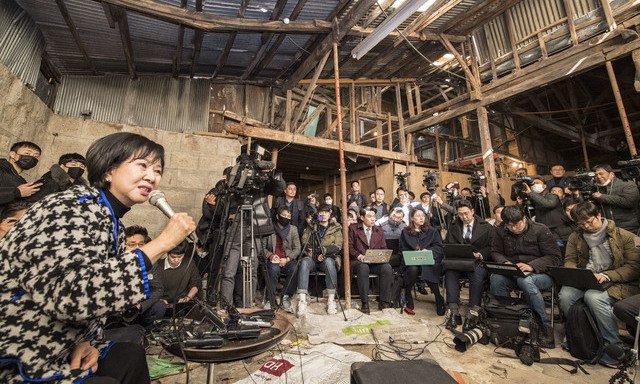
{"points": [[193, 163]]}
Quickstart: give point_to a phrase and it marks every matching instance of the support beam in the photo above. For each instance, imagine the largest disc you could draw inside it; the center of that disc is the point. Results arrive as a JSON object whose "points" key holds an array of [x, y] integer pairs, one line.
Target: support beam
{"points": [[76, 37], [401, 134], [310, 118], [350, 19], [475, 85], [362, 82], [316, 142], [123, 25], [487, 157], [264, 40], [288, 111], [177, 59], [427, 18], [568, 9], [312, 87], [606, 8], [353, 125], [621, 110], [222, 59], [197, 42]]}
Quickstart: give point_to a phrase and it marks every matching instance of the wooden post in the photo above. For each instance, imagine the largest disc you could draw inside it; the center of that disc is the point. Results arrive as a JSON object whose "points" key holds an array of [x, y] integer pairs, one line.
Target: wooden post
{"points": [[343, 184], [412, 111], [418, 99], [379, 134], [487, 157], [512, 37], [606, 7], [621, 110], [352, 114], [389, 132], [438, 156], [446, 156], [568, 8], [274, 160], [584, 149], [403, 142], [288, 111]]}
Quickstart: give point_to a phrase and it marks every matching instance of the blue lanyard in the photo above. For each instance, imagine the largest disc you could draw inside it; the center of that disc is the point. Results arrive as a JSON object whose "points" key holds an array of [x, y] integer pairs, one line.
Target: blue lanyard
{"points": [[116, 223]]}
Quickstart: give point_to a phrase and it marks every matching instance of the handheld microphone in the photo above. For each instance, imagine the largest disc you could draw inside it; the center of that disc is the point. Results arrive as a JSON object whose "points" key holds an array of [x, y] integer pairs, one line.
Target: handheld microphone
{"points": [[157, 199]]}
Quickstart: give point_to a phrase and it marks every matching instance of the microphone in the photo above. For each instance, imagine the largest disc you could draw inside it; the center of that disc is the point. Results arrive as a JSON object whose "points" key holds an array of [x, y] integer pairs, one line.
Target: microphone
{"points": [[157, 199]]}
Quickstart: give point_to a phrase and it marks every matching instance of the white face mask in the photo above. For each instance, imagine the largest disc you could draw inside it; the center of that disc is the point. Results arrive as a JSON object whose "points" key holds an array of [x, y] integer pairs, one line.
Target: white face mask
{"points": [[329, 201], [537, 188]]}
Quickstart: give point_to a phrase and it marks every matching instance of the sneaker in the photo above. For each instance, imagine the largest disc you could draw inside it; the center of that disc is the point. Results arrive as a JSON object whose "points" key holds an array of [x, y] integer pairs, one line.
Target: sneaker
{"points": [[332, 309], [267, 305], [302, 308], [286, 303]]}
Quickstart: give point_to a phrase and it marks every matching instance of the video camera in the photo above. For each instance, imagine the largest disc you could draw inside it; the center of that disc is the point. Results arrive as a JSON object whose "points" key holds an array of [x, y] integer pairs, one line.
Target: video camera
{"points": [[583, 182], [402, 179], [477, 181], [250, 173], [630, 169], [430, 180], [518, 188]]}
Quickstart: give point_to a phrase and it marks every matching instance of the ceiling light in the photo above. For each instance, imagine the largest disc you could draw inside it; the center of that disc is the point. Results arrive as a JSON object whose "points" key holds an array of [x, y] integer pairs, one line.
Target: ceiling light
{"points": [[264, 10], [448, 56]]}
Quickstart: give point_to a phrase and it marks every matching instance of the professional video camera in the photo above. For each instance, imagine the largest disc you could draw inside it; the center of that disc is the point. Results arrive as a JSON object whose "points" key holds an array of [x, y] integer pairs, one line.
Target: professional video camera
{"points": [[518, 188], [630, 169], [250, 173], [476, 330], [430, 180], [583, 182], [452, 191], [402, 179], [477, 181]]}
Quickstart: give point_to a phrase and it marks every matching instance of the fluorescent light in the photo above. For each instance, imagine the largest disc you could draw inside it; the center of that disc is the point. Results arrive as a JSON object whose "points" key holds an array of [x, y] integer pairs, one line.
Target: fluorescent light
{"points": [[423, 8], [448, 56], [405, 9]]}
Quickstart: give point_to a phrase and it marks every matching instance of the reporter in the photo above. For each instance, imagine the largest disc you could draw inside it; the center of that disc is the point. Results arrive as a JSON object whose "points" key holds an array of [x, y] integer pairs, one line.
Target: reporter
{"points": [[69, 270], [618, 199]]}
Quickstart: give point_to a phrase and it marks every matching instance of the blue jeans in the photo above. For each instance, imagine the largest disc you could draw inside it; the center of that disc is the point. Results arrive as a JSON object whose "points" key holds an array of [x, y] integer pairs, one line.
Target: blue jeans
{"points": [[601, 306], [307, 265], [530, 287], [289, 270], [476, 285]]}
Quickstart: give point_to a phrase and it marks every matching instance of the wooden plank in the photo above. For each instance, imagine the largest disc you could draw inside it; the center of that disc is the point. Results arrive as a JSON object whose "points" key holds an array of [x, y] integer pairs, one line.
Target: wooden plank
{"points": [[264, 41], [363, 82], [462, 61], [350, 19], [543, 46], [606, 8], [197, 46], [379, 134], [418, 99], [240, 118], [107, 13], [511, 29], [76, 37], [310, 118], [123, 26], [568, 9], [621, 110], [389, 132], [377, 11], [407, 88], [401, 134], [328, 116], [316, 142], [288, 112], [487, 158], [333, 125], [177, 58], [438, 154], [427, 18], [311, 88], [353, 125]]}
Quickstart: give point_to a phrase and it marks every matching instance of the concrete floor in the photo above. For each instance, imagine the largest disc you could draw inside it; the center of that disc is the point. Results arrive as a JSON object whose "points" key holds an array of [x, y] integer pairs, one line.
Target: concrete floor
{"points": [[481, 363]]}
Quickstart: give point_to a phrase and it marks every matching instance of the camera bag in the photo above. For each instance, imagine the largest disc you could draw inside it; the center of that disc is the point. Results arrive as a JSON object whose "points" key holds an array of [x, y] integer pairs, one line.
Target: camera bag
{"points": [[504, 316], [583, 336]]}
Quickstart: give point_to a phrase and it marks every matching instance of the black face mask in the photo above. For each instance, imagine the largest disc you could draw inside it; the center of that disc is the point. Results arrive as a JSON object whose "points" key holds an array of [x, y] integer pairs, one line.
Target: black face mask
{"points": [[26, 162], [75, 172], [283, 221]]}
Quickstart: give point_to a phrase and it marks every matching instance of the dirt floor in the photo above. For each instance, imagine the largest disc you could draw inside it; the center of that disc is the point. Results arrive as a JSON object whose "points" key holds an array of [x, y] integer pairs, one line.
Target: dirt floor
{"points": [[480, 363]]}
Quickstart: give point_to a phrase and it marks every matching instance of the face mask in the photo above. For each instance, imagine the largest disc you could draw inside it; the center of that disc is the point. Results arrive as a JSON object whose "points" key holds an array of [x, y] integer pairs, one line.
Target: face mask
{"points": [[537, 188], [605, 183], [329, 201], [283, 221], [394, 223], [75, 172], [26, 162]]}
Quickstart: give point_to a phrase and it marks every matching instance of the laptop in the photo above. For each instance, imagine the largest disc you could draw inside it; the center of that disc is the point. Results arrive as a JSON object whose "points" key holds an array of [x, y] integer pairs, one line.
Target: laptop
{"points": [[504, 269], [424, 257], [579, 278], [458, 251], [377, 256]]}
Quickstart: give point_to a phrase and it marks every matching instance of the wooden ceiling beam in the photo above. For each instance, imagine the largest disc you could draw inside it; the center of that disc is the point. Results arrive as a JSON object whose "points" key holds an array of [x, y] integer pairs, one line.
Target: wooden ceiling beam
{"points": [[222, 58], [351, 18], [125, 37], [76, 37], [377, 11], [197, 42], [264, 40], [177, 58], [427, 18]]}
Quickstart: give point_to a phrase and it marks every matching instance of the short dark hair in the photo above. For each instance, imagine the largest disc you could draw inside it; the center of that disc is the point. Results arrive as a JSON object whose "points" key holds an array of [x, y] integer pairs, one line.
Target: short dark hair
{"points": [[464, 204], [382, 189], [327, 195], [556, 186], [466, 189], [606, 167], [511, 214], [557, 165], [401, 189], [180, 249], [363, 211], [283, 208], [354, 181], [324, 208], [423, 194], [497, 207], [290, 183], [583, 211], [25, 144], [413, 195], [11, 209], [136, 230], [571, 201], [67, 157], [111, 151], [352, 211]]}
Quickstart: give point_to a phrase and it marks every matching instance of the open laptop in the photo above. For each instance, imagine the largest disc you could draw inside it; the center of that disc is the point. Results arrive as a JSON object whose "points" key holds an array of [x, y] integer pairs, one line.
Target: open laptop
{"points": [[579, 278], [424, 257], [377, 256], [458, 251], [504, 269]]}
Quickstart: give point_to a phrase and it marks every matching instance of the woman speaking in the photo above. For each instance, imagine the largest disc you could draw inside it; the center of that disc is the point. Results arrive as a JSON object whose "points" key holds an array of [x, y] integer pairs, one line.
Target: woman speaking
{"points": [[63, 269]]}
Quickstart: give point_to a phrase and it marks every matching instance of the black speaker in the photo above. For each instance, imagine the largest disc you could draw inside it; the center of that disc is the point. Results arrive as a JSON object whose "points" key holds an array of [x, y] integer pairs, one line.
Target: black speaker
{"points": [[405, 371]]}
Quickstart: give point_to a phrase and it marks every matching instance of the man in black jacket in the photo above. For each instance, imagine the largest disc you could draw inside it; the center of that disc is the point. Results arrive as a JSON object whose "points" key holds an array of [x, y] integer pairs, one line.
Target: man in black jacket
{"points": [[295, 206], [467, 228], [67, 173], [533, 248], [618, 199], [547, 204], [22, 156]]}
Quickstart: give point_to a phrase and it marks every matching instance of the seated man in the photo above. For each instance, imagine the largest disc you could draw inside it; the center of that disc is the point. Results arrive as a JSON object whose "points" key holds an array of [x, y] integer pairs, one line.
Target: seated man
{"points": [[467, 228], [362, 236], [281, 251], [610, 253], [323, 257], [533, 248], [181, 280], [392, 227], [153, 308]]}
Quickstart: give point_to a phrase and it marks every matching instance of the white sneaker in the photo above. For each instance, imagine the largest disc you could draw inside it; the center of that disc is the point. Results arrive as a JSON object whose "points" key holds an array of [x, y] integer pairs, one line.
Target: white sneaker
{"points": [[302, 308], [286, 303], [267, 305], [332, 309]]}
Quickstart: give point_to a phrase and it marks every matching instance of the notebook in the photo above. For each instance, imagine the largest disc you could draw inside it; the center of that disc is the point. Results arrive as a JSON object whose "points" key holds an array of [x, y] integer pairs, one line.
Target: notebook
{"points": [[424, 257]]}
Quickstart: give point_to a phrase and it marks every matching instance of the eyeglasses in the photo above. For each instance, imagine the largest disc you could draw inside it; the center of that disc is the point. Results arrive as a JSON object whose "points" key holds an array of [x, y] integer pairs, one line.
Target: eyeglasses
{"points": [[135, 245], [587, 223]]}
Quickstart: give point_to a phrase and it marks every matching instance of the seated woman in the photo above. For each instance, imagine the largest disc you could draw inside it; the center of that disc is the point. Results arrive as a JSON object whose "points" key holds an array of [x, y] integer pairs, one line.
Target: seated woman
{"points": [[419, 235], [66, 269]]}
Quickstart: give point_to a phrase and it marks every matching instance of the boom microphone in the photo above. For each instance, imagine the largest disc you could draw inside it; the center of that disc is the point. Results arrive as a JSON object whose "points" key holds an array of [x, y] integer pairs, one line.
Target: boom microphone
{"points": [[157, 199]]}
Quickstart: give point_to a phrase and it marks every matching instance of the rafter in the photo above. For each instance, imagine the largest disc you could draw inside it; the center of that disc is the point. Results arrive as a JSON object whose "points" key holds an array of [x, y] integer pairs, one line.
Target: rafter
{"points": [[264, 40], [222, 59], [197, 42], [123, 26], [76, 37], [177, 59]]}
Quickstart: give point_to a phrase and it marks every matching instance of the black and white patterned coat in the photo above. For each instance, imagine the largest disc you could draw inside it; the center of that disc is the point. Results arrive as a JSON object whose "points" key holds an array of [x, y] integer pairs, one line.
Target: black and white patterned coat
{"points": [[60, 277]]}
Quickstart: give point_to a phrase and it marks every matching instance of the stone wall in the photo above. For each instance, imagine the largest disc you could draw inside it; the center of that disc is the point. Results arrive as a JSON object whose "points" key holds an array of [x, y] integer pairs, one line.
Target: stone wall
{"points": [[193, 163]]}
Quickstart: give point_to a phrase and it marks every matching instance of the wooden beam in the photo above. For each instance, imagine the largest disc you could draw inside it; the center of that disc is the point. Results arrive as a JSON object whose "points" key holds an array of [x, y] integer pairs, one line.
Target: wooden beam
{"points": [[312, 87], [288, 111], [606, 8], [222, 59], [380, 7], [310, 118], [427, 18], [212, 23], [621, 110], [316, 142], [568, 9], [511, 29], [418, 99], [264, 40], [409, 95], [363, 82], [109, 15], [401, 134], [74, 33], [438, 155], [197, 42], [177, 59], [353, 125], [487, 158], [125, 37], [239, 118], [389, 132], [350, 19]]}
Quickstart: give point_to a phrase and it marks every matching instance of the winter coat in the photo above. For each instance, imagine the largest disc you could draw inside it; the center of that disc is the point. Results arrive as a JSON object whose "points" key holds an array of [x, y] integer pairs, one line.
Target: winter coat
{"points": [[425, 240], [331, 242], [619, 202], [10, 180], [482, 234], [291, 245], [55, 180], [358, 241], [625, 270], [62, 273], [548, 208], [298, 213], [535, 246]]}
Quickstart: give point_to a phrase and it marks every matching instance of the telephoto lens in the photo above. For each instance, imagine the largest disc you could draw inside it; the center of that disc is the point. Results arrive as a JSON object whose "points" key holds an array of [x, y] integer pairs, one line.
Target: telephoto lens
{"points": [[464, 340]]}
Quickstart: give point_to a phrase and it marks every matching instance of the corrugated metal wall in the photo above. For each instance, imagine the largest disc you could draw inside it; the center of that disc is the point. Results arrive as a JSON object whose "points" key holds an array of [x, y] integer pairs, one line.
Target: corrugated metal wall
{"points": [[179, 105], [21, 43]]}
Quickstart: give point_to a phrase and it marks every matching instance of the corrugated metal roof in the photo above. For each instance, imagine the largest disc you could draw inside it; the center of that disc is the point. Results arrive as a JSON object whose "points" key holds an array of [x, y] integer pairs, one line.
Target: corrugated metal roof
{"points": [[179, 105], [21, 43]]}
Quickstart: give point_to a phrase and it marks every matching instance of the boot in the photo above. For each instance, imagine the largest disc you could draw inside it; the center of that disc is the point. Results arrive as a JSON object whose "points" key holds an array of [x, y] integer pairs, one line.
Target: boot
{"points": [[546, 339], [408, 298], [440, 307]]}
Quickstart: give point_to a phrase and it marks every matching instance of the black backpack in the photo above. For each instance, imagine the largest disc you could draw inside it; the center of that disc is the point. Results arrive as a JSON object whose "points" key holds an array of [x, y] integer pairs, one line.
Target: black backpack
{"points": [[583, 336]]}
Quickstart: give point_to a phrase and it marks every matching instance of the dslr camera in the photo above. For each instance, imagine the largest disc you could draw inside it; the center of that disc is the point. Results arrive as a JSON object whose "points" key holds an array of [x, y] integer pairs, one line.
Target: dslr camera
{"points": [[477, 181], [430, 180], [402, 179], [475, 330], [583, 182], [518, 188]]}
